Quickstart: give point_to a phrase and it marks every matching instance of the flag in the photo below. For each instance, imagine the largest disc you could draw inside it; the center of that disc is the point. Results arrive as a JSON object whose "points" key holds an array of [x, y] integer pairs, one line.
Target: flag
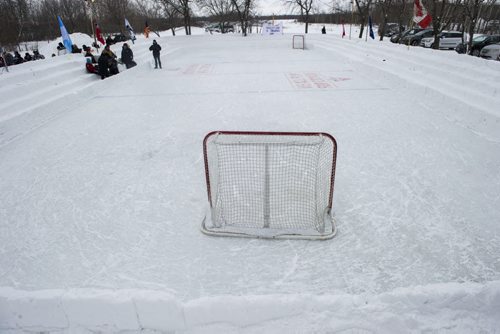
{"points": [[130, 30], [370, 25], [98, 34], [146, 30], [420, 15], [65, 36], [343, 30]]}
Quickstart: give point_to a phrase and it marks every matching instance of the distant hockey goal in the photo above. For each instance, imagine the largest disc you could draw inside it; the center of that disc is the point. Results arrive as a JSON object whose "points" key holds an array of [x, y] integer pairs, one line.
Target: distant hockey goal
{"points": [[270, 184], [298, 42]]}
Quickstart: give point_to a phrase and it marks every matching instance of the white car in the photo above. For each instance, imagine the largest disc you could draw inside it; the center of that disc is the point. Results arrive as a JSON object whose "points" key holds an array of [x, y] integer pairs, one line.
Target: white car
{"points": [[491, 51], [447, 40]]}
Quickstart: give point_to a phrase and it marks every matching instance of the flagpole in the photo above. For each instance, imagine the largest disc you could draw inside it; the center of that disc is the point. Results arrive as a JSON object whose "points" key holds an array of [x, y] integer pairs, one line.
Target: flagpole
{"points": [[90, 2], [352, 18], [368, 24]]}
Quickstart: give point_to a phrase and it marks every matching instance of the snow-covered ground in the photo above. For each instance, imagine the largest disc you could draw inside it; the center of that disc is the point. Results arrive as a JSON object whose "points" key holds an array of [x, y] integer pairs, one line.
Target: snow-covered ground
{"points": [[102, 190]]}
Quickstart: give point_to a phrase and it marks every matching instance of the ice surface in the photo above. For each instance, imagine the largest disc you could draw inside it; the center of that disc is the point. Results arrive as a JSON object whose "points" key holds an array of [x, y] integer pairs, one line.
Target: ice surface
{"points": [[102, 182]]}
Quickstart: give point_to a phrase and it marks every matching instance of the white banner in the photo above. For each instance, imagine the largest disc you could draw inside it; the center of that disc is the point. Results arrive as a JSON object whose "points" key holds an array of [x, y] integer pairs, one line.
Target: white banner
{"points": [[272, 29]]}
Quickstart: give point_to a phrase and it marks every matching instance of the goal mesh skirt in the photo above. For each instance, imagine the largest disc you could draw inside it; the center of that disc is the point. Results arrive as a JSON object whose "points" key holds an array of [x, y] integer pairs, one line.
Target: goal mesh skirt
{"points": [[270, 184]]}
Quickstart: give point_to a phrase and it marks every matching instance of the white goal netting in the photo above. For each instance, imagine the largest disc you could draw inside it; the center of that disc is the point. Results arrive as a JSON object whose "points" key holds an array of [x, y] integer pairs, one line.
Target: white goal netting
{"points": [[298, 42], [270, 184]]}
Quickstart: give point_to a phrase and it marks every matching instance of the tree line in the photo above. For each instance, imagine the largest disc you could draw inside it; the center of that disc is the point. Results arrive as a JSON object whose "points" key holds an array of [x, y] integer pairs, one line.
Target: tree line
{"points": [[35, 20]]}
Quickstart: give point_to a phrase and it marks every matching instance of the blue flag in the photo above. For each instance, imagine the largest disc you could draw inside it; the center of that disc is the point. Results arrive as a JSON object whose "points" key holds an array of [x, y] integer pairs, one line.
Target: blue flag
{"points": [[372, 35], [65, 36]]}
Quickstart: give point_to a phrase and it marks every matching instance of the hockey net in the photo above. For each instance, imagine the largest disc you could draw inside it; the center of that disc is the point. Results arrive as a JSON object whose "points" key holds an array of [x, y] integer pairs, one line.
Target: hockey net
{"points": [[270, 184], [298, 42]]}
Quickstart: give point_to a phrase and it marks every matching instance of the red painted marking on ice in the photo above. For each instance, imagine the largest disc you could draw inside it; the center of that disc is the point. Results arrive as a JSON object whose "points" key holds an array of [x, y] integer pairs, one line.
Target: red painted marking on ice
{"points": [[313, 80], [198, 69], [336, 79]]}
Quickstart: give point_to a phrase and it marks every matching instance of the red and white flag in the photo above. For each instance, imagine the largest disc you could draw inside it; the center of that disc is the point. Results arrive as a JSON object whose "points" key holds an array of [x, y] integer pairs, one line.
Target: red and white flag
{"points": [[420, 16], [98, 34]]}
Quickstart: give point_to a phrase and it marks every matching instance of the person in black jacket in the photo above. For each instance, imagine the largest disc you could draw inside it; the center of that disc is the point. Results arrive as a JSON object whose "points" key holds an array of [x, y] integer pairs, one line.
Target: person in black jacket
{"points": [[156, 53], [128, 56], [18, 59], [103, 64]]}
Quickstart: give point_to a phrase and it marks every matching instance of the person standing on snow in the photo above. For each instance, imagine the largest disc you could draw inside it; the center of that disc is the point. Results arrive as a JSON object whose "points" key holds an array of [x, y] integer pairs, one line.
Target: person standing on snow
{"points": [[156, 53]]}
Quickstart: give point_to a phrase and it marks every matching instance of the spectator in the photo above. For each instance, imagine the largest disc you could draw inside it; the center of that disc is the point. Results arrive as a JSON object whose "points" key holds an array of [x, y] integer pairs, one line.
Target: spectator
{"points": [[91, 68], [109, 41], [18, 59], [128, 56], [88, 54], [107, 63], [323, 30], [156, 48], [107, 50], [111, 60], [60, 46], [9, 59], [27, 57], [37, 55], [75, 49], [102, 65]]}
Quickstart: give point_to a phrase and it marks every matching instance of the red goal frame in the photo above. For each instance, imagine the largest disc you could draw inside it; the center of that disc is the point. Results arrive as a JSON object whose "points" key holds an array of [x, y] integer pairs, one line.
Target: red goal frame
{"points": [[270, 133]]}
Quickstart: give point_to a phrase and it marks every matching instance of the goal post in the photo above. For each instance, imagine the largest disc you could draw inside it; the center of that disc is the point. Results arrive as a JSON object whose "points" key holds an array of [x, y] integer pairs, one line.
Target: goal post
{"points": [[298, 42], [270, 184]]}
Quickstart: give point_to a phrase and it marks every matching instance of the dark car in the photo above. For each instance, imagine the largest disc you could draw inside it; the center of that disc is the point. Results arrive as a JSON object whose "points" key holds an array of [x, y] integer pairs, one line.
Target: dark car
{"points": [[415, 39], [396, 37], [220, 28], [478, 43], [120, 38], [391, 29]]}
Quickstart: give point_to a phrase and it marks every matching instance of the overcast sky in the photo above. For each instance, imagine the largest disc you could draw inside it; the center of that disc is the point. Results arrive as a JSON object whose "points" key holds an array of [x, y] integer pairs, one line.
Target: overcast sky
{"points": [[269, 7]]}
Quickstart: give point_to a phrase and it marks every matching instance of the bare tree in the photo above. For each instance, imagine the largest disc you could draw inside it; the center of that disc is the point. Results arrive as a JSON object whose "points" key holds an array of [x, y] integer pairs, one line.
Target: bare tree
{"points": [[443, 12], [243, 9], [384, 6], [222, 10], [472, 10], [304, 7], [181, 7], [14, 18], [363, 11], [170, 14]]}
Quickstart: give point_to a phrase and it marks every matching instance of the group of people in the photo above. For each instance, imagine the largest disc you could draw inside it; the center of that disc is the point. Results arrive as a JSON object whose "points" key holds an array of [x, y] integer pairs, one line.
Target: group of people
{"points": [[7, 59], [107, 63]]}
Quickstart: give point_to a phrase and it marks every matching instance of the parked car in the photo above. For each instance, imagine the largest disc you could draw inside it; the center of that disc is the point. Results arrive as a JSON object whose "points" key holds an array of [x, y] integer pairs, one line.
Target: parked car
{"points": [[391, 29], [415, 39], [120, 38], [396, 38], [491, 51], [447, 40], [220, 28], [478, 43]]}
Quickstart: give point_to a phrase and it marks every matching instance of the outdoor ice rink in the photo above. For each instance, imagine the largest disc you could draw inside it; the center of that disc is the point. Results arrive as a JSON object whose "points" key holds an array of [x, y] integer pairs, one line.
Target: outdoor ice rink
{"points": [[102, 182]]}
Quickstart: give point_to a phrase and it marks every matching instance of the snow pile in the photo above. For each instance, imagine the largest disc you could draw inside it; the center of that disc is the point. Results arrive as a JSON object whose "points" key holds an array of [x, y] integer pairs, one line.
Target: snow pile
{"points": [[444, 308]]}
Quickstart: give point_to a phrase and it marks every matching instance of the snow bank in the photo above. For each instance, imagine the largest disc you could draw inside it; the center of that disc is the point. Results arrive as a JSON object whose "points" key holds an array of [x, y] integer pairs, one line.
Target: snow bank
{"points": [[451, 307]]}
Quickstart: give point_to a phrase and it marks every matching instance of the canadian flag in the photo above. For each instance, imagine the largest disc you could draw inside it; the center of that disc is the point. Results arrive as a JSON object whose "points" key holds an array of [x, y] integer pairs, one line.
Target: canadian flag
{"points": [[420, 15], [98, 34]]}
